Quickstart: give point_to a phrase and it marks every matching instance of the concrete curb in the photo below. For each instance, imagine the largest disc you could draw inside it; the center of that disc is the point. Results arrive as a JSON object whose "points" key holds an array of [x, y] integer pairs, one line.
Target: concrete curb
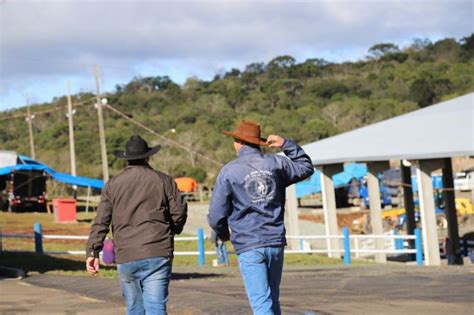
{"points": [[9, 272]]}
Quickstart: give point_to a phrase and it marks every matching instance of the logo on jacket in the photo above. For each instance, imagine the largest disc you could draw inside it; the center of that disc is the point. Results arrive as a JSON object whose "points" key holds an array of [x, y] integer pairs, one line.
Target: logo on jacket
{"points": [[260, 186]]}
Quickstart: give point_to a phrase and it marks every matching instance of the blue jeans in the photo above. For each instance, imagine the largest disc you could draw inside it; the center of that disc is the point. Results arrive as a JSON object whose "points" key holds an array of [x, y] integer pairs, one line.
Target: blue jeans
{"points": [[221, 251], [144, 285], [261, 270]]}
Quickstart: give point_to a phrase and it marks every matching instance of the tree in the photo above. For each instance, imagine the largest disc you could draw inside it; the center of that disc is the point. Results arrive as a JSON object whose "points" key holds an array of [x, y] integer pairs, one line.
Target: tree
{"points": [[426, 89], [257, 68], [162, 83], [467, 46], [328, 88], [279, 66], [232, 74], [446, 49], [419, 44], [380, 50], [309, 68]]}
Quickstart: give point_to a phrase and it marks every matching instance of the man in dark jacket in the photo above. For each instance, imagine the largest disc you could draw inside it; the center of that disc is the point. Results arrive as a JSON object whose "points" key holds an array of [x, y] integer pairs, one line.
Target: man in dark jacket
{"points": [[249, 197], [145, 210]]}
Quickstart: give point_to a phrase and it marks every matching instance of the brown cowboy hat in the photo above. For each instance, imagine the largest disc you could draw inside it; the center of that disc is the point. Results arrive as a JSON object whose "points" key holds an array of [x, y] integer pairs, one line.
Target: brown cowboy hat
{"points": [[136, 149], [248, 131]]}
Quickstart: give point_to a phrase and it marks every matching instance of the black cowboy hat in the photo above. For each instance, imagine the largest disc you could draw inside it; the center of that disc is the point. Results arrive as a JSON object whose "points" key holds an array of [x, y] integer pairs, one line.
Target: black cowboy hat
{"points": [[136, 149]]}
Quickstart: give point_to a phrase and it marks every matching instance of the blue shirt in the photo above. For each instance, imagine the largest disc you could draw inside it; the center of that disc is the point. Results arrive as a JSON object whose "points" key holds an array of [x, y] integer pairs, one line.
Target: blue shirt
{"points": [[249, 195]]}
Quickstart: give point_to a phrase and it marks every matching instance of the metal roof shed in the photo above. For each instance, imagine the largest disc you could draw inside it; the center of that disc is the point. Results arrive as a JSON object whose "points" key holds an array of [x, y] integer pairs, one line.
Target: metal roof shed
{"points": [[428, 136], [438, 131]]}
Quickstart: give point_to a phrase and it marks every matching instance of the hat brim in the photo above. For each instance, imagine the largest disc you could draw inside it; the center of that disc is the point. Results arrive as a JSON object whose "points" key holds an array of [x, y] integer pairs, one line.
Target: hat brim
{"points": [[260, 141], [121, 154]]}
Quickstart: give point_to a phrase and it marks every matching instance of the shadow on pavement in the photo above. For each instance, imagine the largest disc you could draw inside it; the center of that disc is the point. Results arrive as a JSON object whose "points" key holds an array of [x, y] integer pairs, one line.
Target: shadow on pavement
{"points": [[194, 275], [32, 262]]}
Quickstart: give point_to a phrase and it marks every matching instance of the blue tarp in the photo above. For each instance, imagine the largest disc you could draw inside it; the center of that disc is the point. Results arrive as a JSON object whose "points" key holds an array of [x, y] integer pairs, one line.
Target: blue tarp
{"points": [[32, 165], [313, 184], [353, 170], [78, 180], [24, 167], [437, 182]]}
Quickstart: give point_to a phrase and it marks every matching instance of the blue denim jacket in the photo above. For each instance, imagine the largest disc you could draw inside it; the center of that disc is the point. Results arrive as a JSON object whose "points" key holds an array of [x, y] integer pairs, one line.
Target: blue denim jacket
{"points": [[249, 195]]}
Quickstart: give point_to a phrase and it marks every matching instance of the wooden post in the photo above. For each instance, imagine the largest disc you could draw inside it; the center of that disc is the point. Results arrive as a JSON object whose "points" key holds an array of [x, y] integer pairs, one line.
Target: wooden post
{"points": [[329, 206], [451, 215], [30, 130], [103, 150], [292, 212], [87, 198], [427, 210], [373, 187], [408, 203]]}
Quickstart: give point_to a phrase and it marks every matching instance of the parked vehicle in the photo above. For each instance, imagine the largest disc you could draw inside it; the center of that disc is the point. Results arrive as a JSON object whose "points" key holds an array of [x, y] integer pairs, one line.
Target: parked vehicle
{"points": [[22, 183], [25, 191], [464, 180]]}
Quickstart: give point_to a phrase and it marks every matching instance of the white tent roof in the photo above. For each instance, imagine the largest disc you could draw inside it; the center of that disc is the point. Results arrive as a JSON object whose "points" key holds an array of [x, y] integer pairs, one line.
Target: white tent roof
{"points": [[438, 131], [7, 158]]}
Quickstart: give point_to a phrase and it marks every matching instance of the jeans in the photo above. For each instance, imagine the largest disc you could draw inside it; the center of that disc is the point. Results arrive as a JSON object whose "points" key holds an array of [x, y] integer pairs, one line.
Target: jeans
{"points": [[144, 285], [221, 251], [261, 270]]}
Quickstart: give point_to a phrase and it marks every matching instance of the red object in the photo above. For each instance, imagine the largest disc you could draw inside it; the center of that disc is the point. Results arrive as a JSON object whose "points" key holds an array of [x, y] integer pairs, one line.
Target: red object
{"points": [[186, 184], [64, 210]]}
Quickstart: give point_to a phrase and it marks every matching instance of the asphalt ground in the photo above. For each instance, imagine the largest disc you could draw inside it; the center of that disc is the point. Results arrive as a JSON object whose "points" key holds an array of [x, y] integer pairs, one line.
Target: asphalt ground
{"points": [[374, 289]]}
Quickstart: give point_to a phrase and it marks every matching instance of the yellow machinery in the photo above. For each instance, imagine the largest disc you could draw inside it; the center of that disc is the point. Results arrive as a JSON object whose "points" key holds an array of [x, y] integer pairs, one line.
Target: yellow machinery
{"points": [[463, 207]]}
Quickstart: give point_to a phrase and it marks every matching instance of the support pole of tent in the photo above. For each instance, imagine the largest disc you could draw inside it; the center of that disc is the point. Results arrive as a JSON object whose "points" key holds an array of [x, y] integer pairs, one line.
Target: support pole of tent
{"points": [[373, 186], [408, 203], [427, 210], [292, 212], [87, 199], [329, 205], [451, 215]]}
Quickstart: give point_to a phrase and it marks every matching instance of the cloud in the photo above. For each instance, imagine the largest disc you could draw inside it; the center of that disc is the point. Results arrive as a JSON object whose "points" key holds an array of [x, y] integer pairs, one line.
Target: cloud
{"points": [[56, 39]]}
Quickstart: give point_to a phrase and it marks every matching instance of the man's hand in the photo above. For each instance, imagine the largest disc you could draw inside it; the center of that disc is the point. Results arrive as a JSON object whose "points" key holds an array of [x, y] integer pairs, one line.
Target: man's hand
{"points": [[275, 141], [92, 265], [224, 237]]}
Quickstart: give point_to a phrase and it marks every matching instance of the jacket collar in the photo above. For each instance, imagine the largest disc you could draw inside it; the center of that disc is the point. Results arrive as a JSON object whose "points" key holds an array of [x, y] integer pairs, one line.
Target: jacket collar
{"points": [[138, 165], [246, 150]]}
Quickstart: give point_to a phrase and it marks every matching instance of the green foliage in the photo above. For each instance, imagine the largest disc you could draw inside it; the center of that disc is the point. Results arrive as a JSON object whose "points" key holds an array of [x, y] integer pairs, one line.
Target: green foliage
{"points": [[304, 101]]}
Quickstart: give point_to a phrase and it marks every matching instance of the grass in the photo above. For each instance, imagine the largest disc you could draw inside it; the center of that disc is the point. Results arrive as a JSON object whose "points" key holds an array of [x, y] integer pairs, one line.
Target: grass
{"points": [[74, 265]]}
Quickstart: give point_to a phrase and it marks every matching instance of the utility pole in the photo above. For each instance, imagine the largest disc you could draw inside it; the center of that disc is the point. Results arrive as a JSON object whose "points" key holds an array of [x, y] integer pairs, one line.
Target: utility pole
{"points": [[71, 130], [30, 129], [103, 150]]}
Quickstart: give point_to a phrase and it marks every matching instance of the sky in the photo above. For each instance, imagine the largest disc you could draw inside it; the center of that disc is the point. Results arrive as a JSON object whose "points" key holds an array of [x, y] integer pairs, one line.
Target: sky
{"points": [[44, 44]]}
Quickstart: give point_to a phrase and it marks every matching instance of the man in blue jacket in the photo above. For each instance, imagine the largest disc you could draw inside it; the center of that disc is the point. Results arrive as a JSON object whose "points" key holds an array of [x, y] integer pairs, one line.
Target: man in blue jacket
{"points": [[249, 197]]}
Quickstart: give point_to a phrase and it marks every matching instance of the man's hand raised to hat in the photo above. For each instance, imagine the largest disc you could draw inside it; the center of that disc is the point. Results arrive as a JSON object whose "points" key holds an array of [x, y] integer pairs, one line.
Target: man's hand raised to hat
{"points": [[275, 141]]}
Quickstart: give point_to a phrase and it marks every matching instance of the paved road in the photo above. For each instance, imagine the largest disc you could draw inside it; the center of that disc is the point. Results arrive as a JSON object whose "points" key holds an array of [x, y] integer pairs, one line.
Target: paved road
{"points": [[21, 297], [389, 289]]}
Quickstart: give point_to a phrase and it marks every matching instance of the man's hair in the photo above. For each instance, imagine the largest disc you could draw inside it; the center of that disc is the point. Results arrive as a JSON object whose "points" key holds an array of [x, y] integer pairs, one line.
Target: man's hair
{"points": [[138, 162], [256, 146]]}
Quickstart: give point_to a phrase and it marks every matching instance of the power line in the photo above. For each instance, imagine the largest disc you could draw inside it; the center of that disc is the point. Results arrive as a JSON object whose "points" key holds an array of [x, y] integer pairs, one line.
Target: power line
{"points": [[172, 142], [52, 110]]}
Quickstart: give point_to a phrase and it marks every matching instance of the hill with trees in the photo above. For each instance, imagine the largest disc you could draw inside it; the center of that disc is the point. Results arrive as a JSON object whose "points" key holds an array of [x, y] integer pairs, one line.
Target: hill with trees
{"points": [[304, 101]]}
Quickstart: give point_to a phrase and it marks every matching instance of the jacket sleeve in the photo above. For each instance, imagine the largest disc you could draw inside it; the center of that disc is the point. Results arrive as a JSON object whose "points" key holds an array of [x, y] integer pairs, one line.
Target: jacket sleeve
{"points": [[178, 208], [297, 166], [221, 205], [101, 226]]}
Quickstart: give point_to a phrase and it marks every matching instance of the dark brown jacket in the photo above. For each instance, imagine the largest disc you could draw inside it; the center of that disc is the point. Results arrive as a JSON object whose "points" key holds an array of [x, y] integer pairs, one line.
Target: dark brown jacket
{"points": [[145, 209]]}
